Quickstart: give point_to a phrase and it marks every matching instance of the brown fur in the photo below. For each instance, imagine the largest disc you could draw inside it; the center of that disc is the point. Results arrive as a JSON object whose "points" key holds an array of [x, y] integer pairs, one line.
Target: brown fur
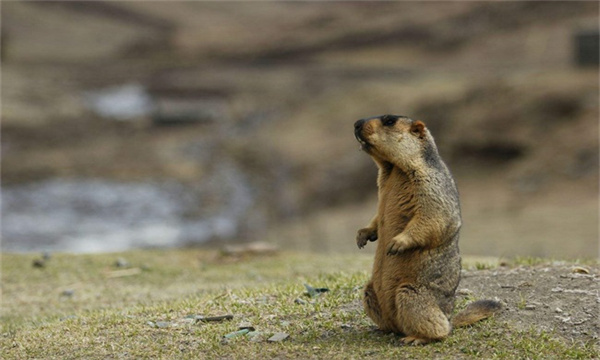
{"points": [[417, 262]]}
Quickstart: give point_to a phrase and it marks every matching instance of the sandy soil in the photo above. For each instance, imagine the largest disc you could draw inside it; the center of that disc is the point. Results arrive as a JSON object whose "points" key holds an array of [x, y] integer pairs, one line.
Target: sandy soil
{"points": [[558, 298]]}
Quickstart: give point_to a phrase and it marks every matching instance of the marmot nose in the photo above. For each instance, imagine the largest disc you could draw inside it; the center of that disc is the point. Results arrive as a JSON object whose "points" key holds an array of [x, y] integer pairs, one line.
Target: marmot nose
{"points": [[359, 124]]}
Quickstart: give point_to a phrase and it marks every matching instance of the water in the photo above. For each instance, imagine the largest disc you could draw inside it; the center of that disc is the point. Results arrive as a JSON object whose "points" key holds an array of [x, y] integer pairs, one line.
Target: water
{"points": [[84, 216], [126, 102]]}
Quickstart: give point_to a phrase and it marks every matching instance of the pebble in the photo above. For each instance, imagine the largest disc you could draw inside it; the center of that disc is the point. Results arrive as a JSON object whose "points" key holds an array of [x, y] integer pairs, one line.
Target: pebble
{"points": [[300, 301], [200, 318], [159, 324], [464, 292], [255, 336], [121, 263], [530, 307], [231, 335], [313, 292], [38, 263], [278, 337], [68, 292], [246, 325], [580, 270]]}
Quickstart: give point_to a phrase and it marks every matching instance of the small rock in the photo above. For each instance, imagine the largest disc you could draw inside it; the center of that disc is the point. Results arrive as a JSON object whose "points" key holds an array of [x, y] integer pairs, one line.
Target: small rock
{"points": [[255, 336], [312, 292], [234, 334], [530, 307], [162, 324], [246, 325], [200, 318], [558, 310], [38, 263], [121, 263], [278, 337], [580, 270], [464, 292], [67, 292], [159, 324]]}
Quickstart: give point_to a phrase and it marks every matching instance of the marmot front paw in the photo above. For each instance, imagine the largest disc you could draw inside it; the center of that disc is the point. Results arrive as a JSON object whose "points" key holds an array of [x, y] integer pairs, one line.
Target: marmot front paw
{"points": [[365, 235], [398, 246]]}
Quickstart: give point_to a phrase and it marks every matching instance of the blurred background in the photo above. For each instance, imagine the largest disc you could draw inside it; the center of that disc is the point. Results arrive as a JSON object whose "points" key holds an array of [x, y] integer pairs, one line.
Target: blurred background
{"points": [[158, 124]]}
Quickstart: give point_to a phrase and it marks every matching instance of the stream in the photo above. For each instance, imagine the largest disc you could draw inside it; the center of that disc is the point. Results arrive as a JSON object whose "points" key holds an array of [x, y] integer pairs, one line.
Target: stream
{"points": [[93, 215]]}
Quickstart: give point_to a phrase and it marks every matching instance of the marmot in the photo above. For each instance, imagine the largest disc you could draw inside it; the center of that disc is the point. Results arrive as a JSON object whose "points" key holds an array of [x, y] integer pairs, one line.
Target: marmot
{"points": [[417, 263]]}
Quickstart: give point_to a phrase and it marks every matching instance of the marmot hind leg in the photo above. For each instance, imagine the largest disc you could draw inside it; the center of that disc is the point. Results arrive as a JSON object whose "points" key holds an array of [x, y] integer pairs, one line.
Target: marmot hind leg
{"points": [[372, 308], [419, 317]]}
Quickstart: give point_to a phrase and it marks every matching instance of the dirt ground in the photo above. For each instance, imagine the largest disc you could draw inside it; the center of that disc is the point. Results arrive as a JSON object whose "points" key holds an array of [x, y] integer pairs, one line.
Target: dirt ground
{"points": [[557, 298]]}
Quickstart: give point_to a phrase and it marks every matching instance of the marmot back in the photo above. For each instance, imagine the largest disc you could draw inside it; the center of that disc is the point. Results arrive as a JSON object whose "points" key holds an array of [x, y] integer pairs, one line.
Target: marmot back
{"points": [[417, 225]]}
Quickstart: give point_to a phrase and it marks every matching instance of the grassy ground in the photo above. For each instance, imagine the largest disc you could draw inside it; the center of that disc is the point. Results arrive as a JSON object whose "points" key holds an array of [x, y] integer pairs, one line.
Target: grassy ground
{"points": [[88, 306]]}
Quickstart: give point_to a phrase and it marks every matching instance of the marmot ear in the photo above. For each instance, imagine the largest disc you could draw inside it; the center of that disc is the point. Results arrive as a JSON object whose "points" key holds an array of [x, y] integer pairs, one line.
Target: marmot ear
{"points": [[418, 128]]}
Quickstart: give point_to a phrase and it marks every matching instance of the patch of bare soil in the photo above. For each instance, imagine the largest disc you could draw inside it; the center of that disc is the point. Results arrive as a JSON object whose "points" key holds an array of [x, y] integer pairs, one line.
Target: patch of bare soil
{"points": [[558, 299]]}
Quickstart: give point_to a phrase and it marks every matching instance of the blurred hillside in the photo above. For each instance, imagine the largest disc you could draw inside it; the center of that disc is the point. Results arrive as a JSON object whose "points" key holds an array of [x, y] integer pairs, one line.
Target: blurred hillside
{"points": [[248, 109]]}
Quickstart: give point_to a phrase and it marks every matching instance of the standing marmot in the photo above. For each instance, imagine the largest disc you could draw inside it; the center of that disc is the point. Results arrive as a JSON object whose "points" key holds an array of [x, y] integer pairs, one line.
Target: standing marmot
{"points": [[417, 264]]}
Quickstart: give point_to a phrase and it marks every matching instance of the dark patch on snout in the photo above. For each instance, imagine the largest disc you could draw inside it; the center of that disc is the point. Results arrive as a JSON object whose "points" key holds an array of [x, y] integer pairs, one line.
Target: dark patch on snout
{"points": [[358, 125], [358, 133], [386, 120]]}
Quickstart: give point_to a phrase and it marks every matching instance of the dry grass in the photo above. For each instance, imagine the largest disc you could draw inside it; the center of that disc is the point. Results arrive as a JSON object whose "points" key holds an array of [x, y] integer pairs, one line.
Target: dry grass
{"points": [[85, 307]]}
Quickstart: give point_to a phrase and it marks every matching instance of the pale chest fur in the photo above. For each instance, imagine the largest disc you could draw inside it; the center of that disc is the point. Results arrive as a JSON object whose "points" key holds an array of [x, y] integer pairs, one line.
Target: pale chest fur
{"points": [[402, 196], [398, 202]]}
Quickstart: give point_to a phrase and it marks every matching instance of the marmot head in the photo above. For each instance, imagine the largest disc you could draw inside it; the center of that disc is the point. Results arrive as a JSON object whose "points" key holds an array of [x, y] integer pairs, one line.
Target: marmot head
{"points": [[395, 139]]}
